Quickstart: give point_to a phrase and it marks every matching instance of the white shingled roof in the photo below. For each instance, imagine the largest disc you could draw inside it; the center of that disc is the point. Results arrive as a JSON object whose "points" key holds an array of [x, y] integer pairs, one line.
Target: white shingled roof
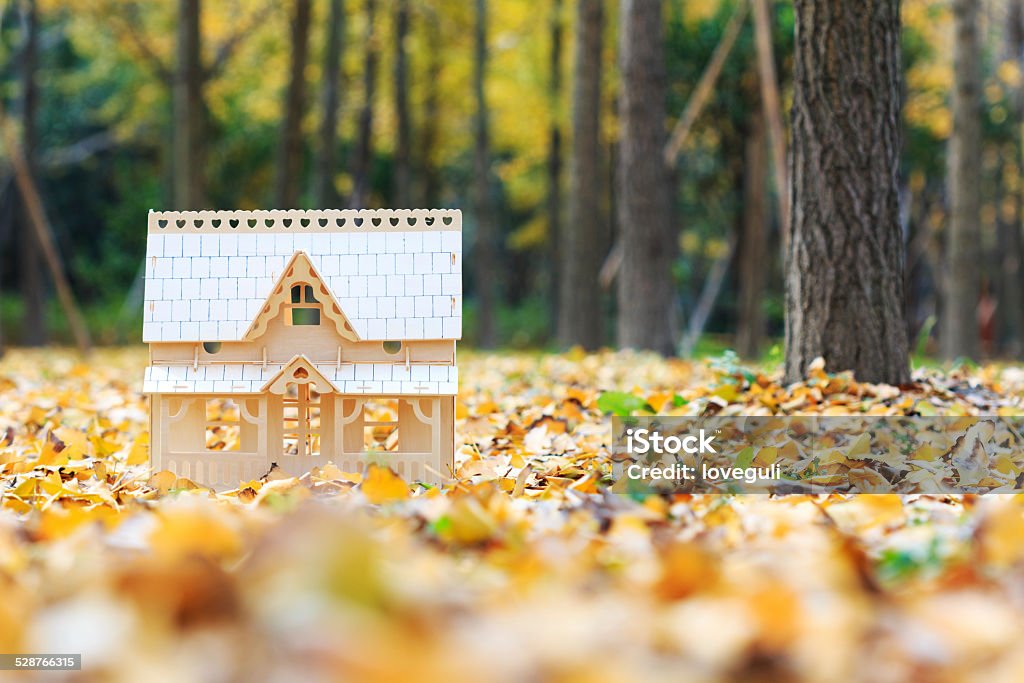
{"points": [[348, 378], [396, 274]]}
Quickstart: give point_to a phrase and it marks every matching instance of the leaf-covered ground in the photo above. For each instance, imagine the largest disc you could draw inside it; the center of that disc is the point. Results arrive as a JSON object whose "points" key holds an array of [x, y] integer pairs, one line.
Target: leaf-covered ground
{"points": [[526, 569]]}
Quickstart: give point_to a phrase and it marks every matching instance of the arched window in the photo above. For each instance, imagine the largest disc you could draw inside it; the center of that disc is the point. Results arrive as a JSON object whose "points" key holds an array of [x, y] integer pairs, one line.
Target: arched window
{"points": [[304, 307]]}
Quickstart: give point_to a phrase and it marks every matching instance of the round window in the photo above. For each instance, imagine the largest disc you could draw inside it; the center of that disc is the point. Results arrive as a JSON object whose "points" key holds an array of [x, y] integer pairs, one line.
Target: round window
{"points": [[392, 347], [211, 347]]}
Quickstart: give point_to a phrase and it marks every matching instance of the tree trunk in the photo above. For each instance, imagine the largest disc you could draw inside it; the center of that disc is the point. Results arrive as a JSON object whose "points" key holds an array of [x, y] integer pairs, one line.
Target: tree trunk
{"points": [[289, 159], [584, 242], [1012, 249], [960, 323], [189, 112], [554, 207], [324, 194], [485, 256], [5, 223], [364, 144], [430, 186], [754, 245], [31, 283], [403, 144], [844, 264], [646, 317]]}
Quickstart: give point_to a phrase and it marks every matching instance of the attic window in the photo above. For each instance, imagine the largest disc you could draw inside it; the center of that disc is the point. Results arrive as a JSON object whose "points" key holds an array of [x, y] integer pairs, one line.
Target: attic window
{"points": [[304, 307]]}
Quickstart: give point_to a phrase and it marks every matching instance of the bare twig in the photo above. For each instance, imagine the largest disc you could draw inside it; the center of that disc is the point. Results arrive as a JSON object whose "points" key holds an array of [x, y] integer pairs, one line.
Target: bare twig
{"points": [[610, 267], [708, 297], [37, 217], [770, 102], [228, 47], [128, 18], [78, 152], [702, 92]]}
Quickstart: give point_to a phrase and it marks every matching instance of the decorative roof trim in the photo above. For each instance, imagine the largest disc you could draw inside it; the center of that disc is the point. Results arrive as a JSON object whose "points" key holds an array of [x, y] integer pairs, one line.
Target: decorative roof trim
{"points": [[301, 221], [299, 370], [300, 269]]}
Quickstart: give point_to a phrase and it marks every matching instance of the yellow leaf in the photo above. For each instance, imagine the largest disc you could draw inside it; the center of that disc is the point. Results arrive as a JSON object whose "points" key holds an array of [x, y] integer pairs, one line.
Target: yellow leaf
{"points": [[76, 443], [727, 392], [865, 512], [59, 521], [468, 522], [163, 481], [925, 408], [659, 400], [51, 456], [766, 456], [27, 488], [1002, 535], [184, 532], [587, 484], [138, 454], [927, 452], [383, 486], [866, 480], [686, 568], [835, 457], [332, 472], [861, 446]]}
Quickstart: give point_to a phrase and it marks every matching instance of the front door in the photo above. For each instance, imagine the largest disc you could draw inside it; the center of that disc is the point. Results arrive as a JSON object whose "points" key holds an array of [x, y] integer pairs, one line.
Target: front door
{"points": [[301, 420]]}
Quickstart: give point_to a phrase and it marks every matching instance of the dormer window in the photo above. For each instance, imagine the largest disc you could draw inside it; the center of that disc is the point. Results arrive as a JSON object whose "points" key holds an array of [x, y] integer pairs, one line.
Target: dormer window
{"points": [[304, 307]]}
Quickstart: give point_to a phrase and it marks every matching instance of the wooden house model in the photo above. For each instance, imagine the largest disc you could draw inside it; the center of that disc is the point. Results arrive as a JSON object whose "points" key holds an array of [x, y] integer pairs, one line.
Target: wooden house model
{"points": [[301, 338]]}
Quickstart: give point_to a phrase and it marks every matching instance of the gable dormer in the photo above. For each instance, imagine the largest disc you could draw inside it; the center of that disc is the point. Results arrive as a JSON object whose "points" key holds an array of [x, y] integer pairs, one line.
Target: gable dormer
{"points": [[301, 298]]}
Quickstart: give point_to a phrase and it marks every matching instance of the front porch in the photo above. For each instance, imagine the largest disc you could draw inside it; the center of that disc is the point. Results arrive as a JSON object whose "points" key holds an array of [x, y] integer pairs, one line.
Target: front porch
{"points": [[221, 440]]}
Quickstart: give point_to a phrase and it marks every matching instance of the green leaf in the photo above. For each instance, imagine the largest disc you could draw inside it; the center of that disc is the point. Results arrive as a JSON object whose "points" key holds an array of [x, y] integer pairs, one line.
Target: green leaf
{"points": [[745, 457], [621, 404], [678, 401], [964, 363]]}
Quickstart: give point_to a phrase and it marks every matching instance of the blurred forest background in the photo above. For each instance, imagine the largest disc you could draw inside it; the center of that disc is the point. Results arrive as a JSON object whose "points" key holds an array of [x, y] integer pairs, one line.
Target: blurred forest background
{"points": [[513, 111]]}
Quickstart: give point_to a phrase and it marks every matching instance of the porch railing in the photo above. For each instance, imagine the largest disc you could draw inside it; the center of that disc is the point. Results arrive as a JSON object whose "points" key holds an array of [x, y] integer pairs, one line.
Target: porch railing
{"points": [[227, 469], [219, 469]]}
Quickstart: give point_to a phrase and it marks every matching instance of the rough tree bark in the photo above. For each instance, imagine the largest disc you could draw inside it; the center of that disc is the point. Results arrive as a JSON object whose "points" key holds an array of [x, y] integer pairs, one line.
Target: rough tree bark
{"points": [[289, 157], [403, 143], [960, 323], [554, 167], [1011, 306], [753, 248], [844, 263], [646, 317], [583, 244], [363, 157], [324, 194], [31, 283], [485, 256], [189, 112]]}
